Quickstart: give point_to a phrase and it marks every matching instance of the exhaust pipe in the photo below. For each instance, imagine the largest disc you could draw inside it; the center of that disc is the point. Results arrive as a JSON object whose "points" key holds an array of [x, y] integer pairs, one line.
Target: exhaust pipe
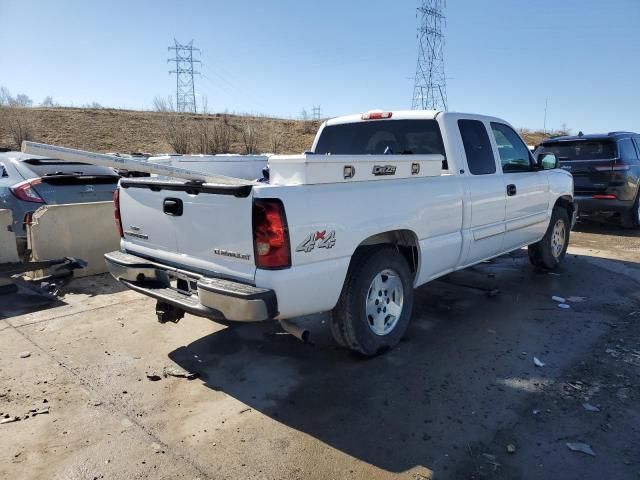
{"points": [[298, 332]]}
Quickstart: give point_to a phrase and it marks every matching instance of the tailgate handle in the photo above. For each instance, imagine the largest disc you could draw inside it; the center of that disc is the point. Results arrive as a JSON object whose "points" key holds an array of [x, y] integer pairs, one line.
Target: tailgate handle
{"points": [[172, 206]]}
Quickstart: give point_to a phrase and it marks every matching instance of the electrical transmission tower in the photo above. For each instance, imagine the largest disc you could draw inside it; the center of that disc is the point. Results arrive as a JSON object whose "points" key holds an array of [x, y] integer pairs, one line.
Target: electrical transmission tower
{"points": [[430, 86], [317, 112], [185, 91]]}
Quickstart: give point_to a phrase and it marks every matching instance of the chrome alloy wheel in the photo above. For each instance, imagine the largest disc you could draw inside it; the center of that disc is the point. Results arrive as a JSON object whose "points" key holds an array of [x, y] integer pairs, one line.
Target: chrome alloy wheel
{"points": [[384, 302], [558, 238]]}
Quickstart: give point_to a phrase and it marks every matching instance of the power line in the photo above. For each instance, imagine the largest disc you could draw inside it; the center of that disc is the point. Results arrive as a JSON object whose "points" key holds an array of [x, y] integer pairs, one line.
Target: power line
{"points": [[185, 90], [430, 85]]}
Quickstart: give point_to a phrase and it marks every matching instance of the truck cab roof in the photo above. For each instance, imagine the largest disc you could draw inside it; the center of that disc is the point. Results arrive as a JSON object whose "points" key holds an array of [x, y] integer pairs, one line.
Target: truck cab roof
{"points": [[373, 115]]}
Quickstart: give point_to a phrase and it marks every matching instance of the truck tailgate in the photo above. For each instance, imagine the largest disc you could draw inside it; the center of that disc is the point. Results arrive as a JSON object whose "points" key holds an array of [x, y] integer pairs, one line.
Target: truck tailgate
{"points": [[204, 228]]}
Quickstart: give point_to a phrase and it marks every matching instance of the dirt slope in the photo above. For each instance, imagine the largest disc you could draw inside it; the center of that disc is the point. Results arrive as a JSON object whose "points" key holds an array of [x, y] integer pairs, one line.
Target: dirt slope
{"points": [[110, 130]]}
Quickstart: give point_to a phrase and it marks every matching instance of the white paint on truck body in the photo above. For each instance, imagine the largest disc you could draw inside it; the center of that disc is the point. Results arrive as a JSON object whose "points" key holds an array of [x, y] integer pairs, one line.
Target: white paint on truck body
{"points": [[455, 218]]}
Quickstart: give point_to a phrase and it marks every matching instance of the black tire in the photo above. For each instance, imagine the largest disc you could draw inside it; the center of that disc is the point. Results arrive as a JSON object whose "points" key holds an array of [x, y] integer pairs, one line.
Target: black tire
{"points": [[631, 218], [350, 324], [541, 254]]}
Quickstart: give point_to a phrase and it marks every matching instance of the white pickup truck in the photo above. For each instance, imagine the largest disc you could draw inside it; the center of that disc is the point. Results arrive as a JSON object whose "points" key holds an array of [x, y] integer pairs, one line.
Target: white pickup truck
{"points": [[383, 203]]}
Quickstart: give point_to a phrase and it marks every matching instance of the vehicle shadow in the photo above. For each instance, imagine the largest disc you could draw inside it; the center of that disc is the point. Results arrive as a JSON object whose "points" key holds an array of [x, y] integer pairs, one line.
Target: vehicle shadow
{"points": [[441, 388], [25, 301], [604, 227]]}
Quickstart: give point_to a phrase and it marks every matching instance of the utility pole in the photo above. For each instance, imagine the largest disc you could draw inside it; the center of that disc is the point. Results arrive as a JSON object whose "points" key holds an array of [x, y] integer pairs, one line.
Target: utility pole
{"points": [[185, 90], [317, 112], [430, 85], [546, 106]]}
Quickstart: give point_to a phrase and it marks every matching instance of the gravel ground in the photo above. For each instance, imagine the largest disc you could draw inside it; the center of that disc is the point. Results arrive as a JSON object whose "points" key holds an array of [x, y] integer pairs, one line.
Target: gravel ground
{"points": [[90, 378]]}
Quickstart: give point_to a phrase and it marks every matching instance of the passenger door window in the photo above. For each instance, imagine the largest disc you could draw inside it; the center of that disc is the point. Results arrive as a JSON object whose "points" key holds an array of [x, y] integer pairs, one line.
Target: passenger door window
{"points": [[477, 147], [514, 154]]}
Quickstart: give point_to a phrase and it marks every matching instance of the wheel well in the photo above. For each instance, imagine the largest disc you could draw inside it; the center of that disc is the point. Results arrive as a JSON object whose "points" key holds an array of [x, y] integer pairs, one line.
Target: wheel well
{"points": [[567, 204], [405, 241]]}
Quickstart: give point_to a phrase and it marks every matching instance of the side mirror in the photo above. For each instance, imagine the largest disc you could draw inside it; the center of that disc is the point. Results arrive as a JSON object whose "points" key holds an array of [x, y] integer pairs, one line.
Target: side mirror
{"points": [[547, 161]]}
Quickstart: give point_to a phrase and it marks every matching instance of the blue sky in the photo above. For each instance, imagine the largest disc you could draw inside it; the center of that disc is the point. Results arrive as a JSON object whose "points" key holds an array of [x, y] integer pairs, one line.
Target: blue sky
{"points": [[502, 57]]}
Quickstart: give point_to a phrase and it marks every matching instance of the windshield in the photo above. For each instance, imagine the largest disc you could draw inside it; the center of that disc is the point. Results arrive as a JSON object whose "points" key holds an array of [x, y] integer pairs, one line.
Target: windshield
{"points": [[581, 150], [378, 137]]}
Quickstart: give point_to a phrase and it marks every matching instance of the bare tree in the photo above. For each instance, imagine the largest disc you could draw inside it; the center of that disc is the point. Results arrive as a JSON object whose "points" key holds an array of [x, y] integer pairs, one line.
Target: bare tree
{"points": [[276, 137], [163, 104], [5, 97], [564, 129], [178, 132], [47, 102], [22, 100], [223, 134], [248, 135], [307, 124], [16, 121], [215, 135]]}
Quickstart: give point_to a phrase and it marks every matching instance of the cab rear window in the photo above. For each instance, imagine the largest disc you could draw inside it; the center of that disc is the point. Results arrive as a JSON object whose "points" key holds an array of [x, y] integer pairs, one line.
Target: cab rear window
{"points": [[400, 137], [581, 150]]}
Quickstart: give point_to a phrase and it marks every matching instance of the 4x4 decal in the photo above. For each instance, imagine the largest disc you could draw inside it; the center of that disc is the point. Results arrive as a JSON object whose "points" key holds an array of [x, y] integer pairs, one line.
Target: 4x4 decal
{"points": [[320, 239]]}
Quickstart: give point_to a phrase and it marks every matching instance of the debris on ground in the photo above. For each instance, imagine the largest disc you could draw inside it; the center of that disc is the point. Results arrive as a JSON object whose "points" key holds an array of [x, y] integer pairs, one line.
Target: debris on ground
{"points": [[172, 371], [581, 447], [153, 377], [614, 353], [245, 410], [25, 354], [537, 362], [573, 299], [590, 408], [9, 420], [511, 448], [491, 460]]}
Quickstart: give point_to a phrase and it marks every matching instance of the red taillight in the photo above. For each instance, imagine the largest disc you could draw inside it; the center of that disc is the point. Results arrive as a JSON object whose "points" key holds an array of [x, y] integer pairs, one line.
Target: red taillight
{"points": [[25, 191], [376, 115], [270, 234], [116, 210], [604, 197]]}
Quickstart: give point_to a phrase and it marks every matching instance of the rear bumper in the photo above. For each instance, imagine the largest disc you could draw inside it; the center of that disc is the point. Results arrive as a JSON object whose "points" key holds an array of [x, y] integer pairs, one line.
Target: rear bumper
{"points": [[211, 297], [589, 205]]}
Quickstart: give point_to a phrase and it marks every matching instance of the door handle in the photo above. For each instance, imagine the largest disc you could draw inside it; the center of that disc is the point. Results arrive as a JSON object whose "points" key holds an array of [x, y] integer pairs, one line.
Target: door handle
{"points": [[172, 206], [511, 190]]}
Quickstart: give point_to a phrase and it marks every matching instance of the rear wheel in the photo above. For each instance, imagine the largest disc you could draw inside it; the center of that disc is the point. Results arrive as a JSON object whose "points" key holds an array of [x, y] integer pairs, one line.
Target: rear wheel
{"points": [[551, 250], [631, 218], [375, 305]]}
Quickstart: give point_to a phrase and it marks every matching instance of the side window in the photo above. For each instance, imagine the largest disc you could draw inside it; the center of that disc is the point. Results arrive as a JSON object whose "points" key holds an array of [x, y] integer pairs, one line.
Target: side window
{"points": [[477, 147], [626, 150], [514, 154]]}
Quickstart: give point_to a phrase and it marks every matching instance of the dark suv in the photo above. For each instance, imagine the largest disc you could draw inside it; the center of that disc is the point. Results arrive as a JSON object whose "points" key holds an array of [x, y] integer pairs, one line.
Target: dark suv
{"points": [[606, 172]]}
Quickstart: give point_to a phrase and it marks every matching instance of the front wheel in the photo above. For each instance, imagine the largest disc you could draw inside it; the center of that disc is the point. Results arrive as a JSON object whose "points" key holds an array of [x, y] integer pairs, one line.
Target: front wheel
{"points": [[551, 250], [375, 305]]}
